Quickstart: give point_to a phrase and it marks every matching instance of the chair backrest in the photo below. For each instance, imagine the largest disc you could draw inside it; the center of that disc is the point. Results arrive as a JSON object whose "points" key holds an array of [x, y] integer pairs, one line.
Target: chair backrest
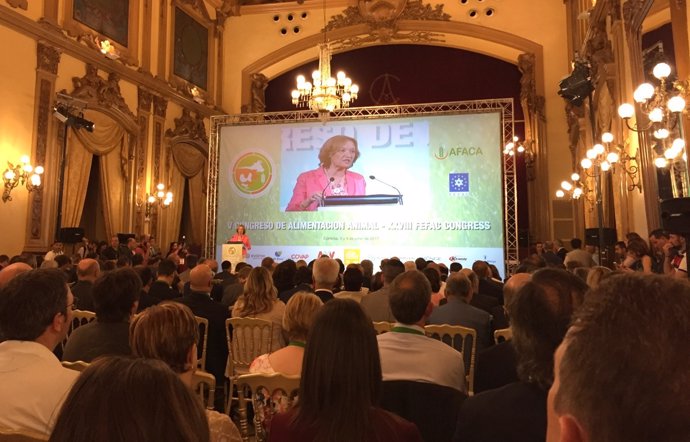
{"points": [[503, 334], [76, 365], [462, 339], [204, 385], [270, 394], [382, 327], [203, 342], [8, 435], [433, 408], [79, 318], [251, 337]]}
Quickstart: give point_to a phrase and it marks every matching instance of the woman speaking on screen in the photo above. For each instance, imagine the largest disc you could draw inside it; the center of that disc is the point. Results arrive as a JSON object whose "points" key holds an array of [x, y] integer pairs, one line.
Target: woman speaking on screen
{"points": [[331, 178]]}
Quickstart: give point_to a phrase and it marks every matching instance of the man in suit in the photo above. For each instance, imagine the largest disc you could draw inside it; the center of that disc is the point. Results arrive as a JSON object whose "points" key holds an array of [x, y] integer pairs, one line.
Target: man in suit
{"points": [[549, 256], [479, 300], [200, 302], [87, 272], [162, 289], [376, 304], [560, 250], [540, 315], [487, 286], [325, 274], [510, 288], [458, 311]]}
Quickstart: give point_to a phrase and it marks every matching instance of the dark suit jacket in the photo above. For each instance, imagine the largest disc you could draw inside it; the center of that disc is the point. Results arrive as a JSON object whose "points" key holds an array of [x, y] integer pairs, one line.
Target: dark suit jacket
{"points": [[162, 291], [551, 259], [495, 367], [500, 318], [561, 253], [82, 291], [491, 288], [457, 312], [513, 413], [109, 254], [324, 295], [146, 301], [484, 302], [287, 294]]}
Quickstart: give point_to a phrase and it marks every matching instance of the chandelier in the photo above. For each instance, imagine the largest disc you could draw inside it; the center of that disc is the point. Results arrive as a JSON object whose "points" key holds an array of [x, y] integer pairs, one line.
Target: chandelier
{"points": [[324, 93]]}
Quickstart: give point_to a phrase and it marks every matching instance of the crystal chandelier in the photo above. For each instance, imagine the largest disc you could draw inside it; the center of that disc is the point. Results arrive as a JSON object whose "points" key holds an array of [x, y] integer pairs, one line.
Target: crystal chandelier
{"points": [[324, 93]]}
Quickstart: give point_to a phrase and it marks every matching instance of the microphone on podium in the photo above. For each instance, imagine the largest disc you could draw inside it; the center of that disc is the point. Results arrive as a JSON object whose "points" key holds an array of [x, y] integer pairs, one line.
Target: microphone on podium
{"points": [[372, 177], [323, 192]]}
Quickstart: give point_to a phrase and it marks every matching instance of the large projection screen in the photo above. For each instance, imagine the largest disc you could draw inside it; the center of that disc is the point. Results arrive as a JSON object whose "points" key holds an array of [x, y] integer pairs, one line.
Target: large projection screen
{"points": [[448, 167]]}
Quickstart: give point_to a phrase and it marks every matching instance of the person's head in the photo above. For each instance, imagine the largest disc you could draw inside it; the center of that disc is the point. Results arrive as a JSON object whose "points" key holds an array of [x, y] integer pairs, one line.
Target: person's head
{"points": [[114, 242], [132, 244], [210, 263], [168, 332], [539, 247], [191, 260], [137, 259], [226, 266], [340, 151], [596, 275], [459, 286], [657, 239], [482, 269], [420, 263], [391, 269], [88, 269], [200, 278], [632, 235], [144, 400], [299, 315], [638, 248], [166, 269], [243, 274], [353, 279], [576, 243], [581, 272], [284, 275], [241, 230], [410, 297], [341, 373], [11, 271], [513, 285], [63, 262], [434, 278], [36, 306], [677, 240], [303, 276], [116, 295], [474, 279], [620, 249], [259, 293], [622, 370], [325, 273], [57, 247], [367, 268], [145, 274], [268, 263], [540, 315], [455, 267]]}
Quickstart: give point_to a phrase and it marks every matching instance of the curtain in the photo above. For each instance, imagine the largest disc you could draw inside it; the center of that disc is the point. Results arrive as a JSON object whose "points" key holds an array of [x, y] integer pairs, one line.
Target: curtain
{"points": [[197, 207], [77, 172], [169, 219]]}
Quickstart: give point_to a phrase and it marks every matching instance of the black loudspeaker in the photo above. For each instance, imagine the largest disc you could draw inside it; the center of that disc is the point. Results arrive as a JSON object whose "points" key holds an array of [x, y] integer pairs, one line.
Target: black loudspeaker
{"points": [[523, 237], [123, 237], [71, 235], [675, 215], [592, 237]]}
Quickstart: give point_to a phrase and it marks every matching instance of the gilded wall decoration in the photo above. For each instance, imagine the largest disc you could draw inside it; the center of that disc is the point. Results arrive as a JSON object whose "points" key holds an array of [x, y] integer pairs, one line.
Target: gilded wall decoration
{"points": [[191, 49], [189, 125], [94, 88], [21, 4], [48, 58], [107, 17]]}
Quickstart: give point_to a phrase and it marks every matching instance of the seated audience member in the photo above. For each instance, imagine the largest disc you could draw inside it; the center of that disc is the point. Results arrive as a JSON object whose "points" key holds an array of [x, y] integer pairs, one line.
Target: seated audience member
{"points": [[620, 253], [352, 282], [297, 320], [11, 271], [200, 303], [657, 240], [550, 258], [115, 299], [302, 283], [435, 281], [162, 288], [190, 261], [458, 311], [639, 257], [341, 384], [225, 276], [539, 317], [597, 274], [581, 272], [487, 285], [284, 276], [617, 381], [233, 291], [35, 314], [260, 301], [268, 263], [479, 300], [496, 366], [169, 332], [407, 354], [88, 271], [145, 300], [55, 250], [510, 288], [368, 270], [676, 256], [376, 304], [134, 400], [325, 275]]}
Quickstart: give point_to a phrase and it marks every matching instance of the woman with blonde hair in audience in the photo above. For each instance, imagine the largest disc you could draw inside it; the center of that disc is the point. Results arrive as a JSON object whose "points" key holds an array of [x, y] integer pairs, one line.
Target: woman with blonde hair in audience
{"points": [[169, 332], [260, 300], [297, 320], [639, 258], [135, 400], [596, 275], [341, 384]]}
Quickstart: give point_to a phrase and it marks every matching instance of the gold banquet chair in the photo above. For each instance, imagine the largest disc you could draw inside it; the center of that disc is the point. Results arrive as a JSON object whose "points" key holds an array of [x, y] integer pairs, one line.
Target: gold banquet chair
{"points": [[251, 337], [8, 435], [203, 341], [502, 335], [269, 394], [80, 317], [204, 385], [382, 327], [462, 339]]}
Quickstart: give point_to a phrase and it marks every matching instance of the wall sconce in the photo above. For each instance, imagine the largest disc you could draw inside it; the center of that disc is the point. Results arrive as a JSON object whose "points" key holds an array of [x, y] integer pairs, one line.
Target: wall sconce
{"points": [[24, 174], [197, 95], [161, 198], [107, 49]]}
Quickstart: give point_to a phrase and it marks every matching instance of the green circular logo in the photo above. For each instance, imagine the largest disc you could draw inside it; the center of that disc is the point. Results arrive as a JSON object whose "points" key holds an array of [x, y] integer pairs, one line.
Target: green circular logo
{"points": [[252, 174]]}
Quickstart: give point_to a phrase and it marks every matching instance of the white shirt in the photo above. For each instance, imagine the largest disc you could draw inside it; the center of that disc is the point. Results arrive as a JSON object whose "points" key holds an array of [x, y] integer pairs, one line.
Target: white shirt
{"points": [[50, 256], [415, 357], [33, 386]]}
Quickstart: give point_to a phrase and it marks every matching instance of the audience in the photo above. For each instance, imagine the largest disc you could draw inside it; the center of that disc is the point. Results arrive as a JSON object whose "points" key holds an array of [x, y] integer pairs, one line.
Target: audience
{"points": [[116, 299], [341, 385], [376, 304], [578, 255], [169, 332], [353, 278], [479, 300], [675, 256], [434, 278], [12, 270], [162, 288], [233, 291], [406, 353], [297, 321], [657, 240], [134, 400], [487, 285], [325, 275], [639, 257], [617, 381], [88, 271], [35, 315], [510, 288]]}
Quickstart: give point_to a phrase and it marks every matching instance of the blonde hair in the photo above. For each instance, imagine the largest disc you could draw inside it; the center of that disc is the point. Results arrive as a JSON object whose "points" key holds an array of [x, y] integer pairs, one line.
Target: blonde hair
{"points": [[332, 145], [259, 293], [299, 314], [167, 332]]}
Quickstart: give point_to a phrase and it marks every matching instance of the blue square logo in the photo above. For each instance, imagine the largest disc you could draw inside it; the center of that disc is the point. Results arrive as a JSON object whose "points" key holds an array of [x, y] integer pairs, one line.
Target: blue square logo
{"points": [[459, 182]]}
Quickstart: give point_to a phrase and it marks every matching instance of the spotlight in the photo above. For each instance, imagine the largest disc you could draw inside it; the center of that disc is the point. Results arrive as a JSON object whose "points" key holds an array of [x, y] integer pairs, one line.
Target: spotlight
{"points": [[578, 85], [63, 114]]}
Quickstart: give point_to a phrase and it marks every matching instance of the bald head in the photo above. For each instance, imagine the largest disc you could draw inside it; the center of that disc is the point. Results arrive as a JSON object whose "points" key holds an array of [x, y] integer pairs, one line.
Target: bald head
{"points": [[513, 285], [200, 278], [88, 269], [11, 271]]}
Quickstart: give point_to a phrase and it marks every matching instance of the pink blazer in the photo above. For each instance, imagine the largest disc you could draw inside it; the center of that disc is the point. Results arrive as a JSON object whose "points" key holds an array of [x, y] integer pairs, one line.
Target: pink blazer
{"points": [[314, 181]]}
